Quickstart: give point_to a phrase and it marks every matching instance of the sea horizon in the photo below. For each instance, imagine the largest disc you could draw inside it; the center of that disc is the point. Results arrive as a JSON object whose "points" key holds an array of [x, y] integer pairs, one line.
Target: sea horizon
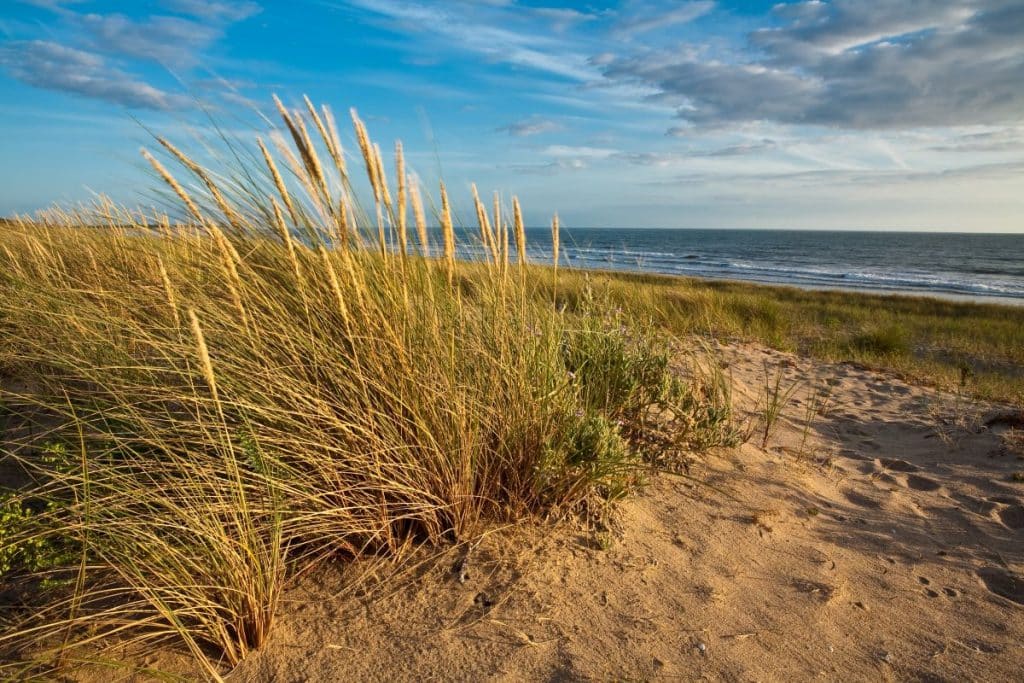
{"points": [[958, 266]]}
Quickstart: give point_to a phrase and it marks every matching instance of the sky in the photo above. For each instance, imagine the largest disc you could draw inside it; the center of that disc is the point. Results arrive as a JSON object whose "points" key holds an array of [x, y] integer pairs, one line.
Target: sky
{"points": [[826, 114]]}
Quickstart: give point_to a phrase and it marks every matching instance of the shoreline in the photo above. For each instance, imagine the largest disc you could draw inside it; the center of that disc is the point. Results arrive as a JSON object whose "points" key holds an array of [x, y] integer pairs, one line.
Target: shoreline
{"points": [[951, 297], [960, 266]]}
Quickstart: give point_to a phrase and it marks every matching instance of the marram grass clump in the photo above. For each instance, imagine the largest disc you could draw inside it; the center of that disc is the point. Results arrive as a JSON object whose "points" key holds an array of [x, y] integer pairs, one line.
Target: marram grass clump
{"points": [[200, 409]]}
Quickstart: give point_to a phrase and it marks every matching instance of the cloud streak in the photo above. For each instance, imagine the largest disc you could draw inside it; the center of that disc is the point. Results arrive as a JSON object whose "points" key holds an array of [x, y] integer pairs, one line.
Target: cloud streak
{"points": [[487, 31], [656, 19], [887, 64], [223, 11], [528, 127], [166, 40], [52, 66], [80, 66]]}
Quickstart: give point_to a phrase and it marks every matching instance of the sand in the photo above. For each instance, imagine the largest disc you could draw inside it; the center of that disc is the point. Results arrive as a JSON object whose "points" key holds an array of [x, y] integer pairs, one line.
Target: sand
{"points": [[887, 544]]}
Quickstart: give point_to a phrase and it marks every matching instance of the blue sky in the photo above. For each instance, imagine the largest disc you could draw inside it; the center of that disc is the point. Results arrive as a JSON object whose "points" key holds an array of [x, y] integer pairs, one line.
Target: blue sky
{"points": [[877, 114]]}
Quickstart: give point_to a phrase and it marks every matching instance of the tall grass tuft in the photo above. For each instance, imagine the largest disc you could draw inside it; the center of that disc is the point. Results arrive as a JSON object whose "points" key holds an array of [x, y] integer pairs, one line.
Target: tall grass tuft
{"points": [[205, 407]]}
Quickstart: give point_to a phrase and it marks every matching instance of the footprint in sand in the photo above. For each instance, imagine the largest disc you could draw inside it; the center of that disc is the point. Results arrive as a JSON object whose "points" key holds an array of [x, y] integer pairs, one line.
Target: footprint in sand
{"points": [[976, 505], [1003, 583], [867, 468], [897, 465], [919, 483], [861, 500], [1012, 517], [932, 593], [886, 478]]}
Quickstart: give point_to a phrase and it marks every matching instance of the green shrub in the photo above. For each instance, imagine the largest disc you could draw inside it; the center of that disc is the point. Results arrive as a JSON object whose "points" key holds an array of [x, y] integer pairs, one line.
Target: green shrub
{"points": [[27, 542]]}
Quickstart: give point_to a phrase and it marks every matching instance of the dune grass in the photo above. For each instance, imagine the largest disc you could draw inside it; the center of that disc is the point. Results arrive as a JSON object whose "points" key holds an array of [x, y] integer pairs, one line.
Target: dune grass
{"points": [[973, 348], [198, 410]]}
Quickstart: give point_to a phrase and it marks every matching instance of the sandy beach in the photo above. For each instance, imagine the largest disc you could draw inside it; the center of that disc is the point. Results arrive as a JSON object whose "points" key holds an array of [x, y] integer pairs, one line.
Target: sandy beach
{"points": [[890, 549]]}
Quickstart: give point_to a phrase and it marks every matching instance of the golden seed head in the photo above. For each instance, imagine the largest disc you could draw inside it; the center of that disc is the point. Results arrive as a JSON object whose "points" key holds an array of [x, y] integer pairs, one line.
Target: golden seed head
{"points": [[400, 179], [276, 176], [448, 232], [174, 185], [554, 239], [204, 354], [363, 138], [381, 175], [419, 215], [520, 231]]}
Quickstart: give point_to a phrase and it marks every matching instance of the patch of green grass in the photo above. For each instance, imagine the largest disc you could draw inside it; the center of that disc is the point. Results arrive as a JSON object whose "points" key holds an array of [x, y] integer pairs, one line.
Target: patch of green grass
{"points": [[891, 340], [977, 347]]}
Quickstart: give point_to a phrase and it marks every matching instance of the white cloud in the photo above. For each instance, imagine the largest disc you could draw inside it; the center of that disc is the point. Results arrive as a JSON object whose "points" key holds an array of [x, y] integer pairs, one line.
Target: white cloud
{"points": [[56, 67], [222, 11], [658, 18], [167, 40], [531, 126], [461, 26], [562, 19], [579, 151]]}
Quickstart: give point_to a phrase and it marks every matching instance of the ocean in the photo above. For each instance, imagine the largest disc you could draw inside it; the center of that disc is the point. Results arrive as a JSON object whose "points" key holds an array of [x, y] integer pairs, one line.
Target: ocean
{"points": [[988, 267]]}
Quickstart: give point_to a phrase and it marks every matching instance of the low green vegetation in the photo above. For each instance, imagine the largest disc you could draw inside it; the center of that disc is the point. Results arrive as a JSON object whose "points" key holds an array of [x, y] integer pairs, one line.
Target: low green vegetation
{"points": [[971, 347]]}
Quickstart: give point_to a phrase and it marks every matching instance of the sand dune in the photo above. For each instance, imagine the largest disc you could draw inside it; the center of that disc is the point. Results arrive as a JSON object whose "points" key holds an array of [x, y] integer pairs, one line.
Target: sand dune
{"points": [[886, 544]]}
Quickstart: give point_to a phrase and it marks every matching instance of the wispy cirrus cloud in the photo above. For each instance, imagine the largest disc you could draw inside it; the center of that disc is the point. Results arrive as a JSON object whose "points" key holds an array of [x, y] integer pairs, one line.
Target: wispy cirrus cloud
{"points": [[1000, 140], [530, 126], [579, 152], [495, 31], [551, 167], [57, 67], [217, 11], [562, 18], [656, 18], [50, 4], [99, 49], [166, 40]]}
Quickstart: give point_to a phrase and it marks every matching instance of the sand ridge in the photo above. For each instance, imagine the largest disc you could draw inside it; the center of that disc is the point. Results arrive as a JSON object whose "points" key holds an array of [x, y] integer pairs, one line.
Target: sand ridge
{"points": [[885, 544]]}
